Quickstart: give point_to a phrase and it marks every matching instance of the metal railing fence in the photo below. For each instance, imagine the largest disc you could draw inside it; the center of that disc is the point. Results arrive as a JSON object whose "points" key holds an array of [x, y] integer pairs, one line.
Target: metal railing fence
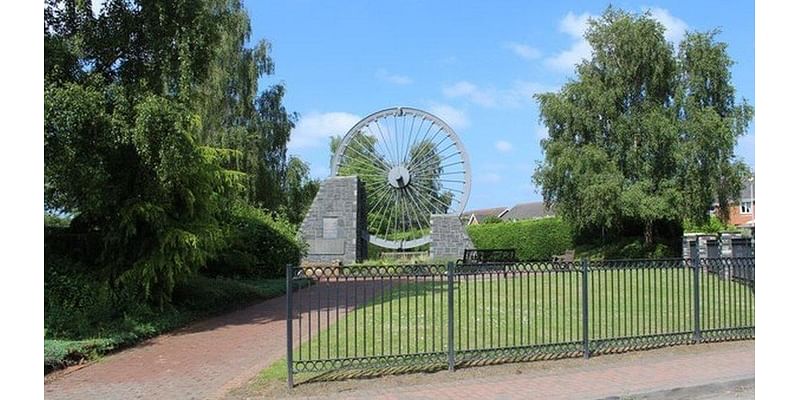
{"points": [[455, 314]]}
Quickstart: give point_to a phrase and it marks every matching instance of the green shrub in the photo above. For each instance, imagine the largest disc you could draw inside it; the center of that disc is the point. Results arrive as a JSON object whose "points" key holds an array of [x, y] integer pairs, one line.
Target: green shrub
{"points": [[72, 299], [492, 219], [532, 239], [57, 221], [713, 225], [629, 247], [257, 245], [73, 334]]}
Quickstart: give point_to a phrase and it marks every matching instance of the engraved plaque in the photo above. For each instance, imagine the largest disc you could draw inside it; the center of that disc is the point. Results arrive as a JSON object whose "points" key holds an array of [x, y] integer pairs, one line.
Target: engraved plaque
{"points": [[330, 228]]}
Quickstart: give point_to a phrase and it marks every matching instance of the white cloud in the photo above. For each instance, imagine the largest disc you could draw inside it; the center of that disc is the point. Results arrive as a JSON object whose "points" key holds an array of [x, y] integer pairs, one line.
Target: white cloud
{"points": [[503, 146], [575, 26], [518, 94], [314, 129], [457, 119], [396, 79], [523, 50], [567, 59], [483, 97], [675, 27]]}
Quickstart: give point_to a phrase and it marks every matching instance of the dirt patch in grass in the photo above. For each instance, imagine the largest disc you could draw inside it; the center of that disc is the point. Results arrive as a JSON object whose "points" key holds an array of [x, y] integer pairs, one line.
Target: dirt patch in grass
{"points": [[271, 382]]}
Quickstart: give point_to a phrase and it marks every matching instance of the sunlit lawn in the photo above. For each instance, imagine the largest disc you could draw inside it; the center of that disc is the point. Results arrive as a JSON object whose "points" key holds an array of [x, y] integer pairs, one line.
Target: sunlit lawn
{"points": [[492, 311]]}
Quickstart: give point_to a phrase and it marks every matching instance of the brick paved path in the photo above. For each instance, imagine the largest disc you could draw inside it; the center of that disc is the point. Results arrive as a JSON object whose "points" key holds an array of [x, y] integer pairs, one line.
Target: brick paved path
{"points": [[597, 378], [202, 361]]}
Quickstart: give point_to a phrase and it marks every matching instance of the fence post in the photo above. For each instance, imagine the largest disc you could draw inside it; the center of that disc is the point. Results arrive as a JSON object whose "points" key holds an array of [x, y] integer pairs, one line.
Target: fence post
{"points": [[289, 367], [585, 306], [697, 332], [451, 352]]}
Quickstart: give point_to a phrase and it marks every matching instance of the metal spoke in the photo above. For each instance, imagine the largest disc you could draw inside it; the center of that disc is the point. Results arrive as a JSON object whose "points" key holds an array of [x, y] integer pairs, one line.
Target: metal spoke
{"points": [[432, 156], [425, 140], [372, 152], [367, 160], [382, 143], [430, 197], [405, 159]]}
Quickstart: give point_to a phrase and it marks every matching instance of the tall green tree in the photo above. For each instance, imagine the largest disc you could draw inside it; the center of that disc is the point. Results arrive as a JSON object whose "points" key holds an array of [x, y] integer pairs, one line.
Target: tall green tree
{"points": [[642, 134], [128, 100], [237, 116], [300, 190]]}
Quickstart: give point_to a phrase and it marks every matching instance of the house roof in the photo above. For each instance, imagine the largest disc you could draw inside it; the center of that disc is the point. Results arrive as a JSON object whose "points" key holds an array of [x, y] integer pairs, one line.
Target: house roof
{"points": [[482, 214], [748, 192], [535, 209]]}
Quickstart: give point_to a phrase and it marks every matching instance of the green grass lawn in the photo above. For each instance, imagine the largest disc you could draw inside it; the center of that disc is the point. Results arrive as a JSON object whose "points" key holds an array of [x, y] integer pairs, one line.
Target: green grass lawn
{"points": [[524, 310]]}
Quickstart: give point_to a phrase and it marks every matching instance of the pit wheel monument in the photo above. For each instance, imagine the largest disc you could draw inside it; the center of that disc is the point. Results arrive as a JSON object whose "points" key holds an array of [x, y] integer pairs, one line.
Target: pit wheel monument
{"points": [[400, 179]]}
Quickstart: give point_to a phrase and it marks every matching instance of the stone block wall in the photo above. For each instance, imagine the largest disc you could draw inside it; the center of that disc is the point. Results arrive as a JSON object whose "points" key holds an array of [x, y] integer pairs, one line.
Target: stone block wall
{"points": [[448, 237], [724, 241], [336, 221]]}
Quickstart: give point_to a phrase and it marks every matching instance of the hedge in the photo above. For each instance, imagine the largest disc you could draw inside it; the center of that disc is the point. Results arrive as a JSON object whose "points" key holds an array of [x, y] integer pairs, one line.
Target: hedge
{"points": [[532, 239], [258, 244]]}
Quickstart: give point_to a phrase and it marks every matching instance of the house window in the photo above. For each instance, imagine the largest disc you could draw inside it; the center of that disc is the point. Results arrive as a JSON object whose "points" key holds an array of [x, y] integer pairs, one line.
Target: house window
{"points": [[745, 207]]}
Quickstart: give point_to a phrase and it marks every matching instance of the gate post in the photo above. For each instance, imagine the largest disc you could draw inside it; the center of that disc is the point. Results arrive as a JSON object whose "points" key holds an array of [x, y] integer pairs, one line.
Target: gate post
{"points": [[585, 306], [451, 352], [289, 361], [698, 336]]}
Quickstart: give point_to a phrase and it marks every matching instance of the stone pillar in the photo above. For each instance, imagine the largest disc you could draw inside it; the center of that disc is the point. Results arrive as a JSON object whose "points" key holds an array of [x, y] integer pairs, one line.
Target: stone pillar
{"points": [[726, 245], [702, 246], [334, 227], [726, 250], [688, 239], [448, 237]]}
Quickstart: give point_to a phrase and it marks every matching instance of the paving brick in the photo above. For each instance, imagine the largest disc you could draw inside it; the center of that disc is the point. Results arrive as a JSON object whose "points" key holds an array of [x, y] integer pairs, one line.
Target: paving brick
{"points": [[594, 379], [201, 361]]}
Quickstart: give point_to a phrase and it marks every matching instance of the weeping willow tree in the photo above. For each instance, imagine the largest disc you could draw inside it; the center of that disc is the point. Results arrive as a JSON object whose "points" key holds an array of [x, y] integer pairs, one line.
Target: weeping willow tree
{"points": [[237, 116]]}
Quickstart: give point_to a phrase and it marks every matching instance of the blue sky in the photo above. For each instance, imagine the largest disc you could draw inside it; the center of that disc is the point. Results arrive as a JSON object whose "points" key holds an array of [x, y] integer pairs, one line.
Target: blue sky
{"points": [[474, 64]]}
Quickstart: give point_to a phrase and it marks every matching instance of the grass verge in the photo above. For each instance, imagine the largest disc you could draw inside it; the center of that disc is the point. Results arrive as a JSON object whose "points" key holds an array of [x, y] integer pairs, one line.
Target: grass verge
{"points": [[495, 312], [199, 298]]}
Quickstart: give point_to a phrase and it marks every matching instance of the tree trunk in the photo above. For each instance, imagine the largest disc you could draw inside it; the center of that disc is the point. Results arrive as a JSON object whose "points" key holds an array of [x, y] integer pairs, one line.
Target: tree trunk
{"points": [[648, 233]]}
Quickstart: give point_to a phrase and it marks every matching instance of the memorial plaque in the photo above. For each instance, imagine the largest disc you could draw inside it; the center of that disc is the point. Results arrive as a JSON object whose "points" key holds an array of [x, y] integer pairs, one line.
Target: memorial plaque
{"points": [[330, 228]]}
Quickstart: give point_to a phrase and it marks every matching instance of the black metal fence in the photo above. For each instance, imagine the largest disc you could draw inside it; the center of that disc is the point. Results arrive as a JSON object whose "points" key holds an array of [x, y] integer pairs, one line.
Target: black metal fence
{"points": [[453, 315]]}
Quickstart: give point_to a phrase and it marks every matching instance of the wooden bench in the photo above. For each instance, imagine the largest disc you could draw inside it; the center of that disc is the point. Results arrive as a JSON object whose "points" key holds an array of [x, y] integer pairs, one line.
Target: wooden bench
{"points": [[568, 256], [487, 259], [482, 256]]}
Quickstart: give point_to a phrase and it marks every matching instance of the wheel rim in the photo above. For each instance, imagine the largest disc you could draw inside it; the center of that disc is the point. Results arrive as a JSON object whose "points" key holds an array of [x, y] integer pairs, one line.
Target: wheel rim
{"points": [[412, 165]]}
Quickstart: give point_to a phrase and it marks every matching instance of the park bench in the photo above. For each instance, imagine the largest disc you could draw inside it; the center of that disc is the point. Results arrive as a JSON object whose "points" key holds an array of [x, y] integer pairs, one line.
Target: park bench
{"points": [[568, 256], [487, 259]]}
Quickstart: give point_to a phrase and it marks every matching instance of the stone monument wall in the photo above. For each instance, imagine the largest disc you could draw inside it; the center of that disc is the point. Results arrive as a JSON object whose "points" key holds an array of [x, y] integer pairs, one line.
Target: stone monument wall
{"points": [[334, 225], [448, 237]]}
